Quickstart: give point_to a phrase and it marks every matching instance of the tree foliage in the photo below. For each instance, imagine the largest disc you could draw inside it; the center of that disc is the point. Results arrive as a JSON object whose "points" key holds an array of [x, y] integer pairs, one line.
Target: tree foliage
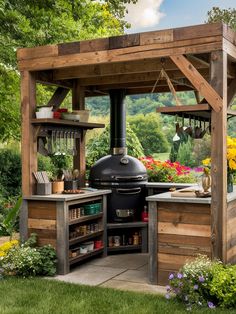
{"points": [[148, 130], [99, 146], [227, 16], [29, 23]]}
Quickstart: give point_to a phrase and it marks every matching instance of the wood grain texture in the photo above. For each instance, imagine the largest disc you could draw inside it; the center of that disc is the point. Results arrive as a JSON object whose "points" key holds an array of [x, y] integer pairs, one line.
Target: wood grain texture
{"points": [[28, 144], [218, 160], [124, 41], [172, 262], [198, 31], [156, 37], [183, 217], [94, 45], [201, 85], [182, 240], [68, 48], [184, 229], [42, 210], [58, 97], [37, 52], [34, 223]]}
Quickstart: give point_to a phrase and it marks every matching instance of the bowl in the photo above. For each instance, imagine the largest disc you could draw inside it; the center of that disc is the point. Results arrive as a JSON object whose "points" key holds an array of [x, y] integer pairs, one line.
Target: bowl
{"points": [[90, 246], [84, 114], [83, 249], [70, 116], [44, 114]]}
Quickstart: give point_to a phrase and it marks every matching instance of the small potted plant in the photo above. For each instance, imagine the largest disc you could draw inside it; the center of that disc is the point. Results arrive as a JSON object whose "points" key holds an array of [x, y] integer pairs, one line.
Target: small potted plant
{"points": [[58, 182]]}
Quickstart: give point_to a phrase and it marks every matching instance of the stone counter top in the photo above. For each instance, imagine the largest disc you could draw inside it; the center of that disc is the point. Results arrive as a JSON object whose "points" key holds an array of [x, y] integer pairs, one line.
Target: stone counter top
{"points": [[169, 185], [166, 197], [68, 197]]}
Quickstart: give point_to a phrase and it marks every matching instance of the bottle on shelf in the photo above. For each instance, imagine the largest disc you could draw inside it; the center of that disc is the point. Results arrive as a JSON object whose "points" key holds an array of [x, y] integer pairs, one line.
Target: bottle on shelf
{"points": [[145, 214], [136, 239]]}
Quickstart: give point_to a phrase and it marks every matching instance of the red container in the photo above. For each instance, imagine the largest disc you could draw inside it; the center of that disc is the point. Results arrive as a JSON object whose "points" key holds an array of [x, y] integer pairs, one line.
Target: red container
{"points": [[144, 214], [62, 110], [56, 115], [98, 244]]}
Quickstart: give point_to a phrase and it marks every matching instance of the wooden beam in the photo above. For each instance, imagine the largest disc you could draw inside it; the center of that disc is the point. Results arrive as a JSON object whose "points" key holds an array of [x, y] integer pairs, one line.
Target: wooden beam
{"points": [[58, 97], [128, 67], [28, 144], [46, 77], [135, 77], [199, 45], [218, 157], [201, 85], [231, 92], [78, 103], [230, 49]]}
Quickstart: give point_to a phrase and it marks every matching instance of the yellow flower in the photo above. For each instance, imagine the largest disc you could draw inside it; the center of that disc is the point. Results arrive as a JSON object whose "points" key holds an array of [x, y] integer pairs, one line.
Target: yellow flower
{"points": [[7, 246], [232, 164], [206, 162]]}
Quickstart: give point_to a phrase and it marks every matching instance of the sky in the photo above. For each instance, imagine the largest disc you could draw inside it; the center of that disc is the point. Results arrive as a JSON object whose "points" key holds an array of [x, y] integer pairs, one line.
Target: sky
{"points": [[149, 15]]}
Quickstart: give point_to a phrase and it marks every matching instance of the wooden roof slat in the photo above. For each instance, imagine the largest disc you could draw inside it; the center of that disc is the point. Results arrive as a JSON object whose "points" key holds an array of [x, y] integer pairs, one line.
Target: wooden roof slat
{"points": [[199, 82], [126, 67], [199, 45]]}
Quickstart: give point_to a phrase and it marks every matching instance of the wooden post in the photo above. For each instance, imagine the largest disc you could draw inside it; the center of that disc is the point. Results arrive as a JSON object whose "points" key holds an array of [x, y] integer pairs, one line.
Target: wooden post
{"points": [[152, 245], [78, 103], [28, 143], [218, 157]]}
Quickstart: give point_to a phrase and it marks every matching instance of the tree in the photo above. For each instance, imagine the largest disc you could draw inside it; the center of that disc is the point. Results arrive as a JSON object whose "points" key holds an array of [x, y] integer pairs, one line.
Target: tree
{"points": [[99, 146], [148, 130], [29, 23], [227, 16]]}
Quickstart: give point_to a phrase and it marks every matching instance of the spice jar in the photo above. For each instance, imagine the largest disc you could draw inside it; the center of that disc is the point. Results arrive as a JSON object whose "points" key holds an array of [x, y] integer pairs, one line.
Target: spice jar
{"points": [[136, 239]]}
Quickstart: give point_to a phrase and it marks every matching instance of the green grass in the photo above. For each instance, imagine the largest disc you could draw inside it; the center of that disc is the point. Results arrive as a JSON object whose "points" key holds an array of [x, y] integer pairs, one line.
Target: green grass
{"points": [[36, 296]]}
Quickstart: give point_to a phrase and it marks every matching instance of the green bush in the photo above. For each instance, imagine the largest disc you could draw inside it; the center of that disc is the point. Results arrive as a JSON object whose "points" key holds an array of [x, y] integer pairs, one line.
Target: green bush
{"points": [[185, 154], [204, 283], [28, 260]]}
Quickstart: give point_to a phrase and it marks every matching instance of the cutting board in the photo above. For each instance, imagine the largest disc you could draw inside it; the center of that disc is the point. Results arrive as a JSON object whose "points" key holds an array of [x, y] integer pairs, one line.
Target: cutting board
{"points": [[183, 193]]}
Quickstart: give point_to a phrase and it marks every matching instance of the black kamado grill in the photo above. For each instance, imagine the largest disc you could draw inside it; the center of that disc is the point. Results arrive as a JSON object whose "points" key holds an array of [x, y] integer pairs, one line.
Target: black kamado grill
{"points": [[124, 175]]}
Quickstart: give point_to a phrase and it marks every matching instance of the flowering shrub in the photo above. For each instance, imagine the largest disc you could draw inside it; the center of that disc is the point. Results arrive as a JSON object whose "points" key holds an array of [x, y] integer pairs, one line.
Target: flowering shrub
{"points": [[204, 283], [5, 247], [26, 259], [167, 171]]}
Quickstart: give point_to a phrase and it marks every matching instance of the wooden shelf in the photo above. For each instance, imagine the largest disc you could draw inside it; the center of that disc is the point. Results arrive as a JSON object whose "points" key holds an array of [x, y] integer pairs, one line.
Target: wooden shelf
{"points": [[193, 111], [61, 122], [85, 218], [124, 248], [123, 225], [85, 237], [82, 257]]}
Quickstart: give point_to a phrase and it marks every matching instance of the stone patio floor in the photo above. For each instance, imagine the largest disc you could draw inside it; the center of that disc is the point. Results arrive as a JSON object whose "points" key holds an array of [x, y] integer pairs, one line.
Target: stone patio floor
{"points": [[123, 271]]}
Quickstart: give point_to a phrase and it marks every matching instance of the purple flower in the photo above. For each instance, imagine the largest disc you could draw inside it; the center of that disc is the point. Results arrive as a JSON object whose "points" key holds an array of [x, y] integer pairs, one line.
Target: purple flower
{"points": [[195, 287], [171, 276], [211, 305], [201, 278], [179, 276], [167, 296], [167, 288]]}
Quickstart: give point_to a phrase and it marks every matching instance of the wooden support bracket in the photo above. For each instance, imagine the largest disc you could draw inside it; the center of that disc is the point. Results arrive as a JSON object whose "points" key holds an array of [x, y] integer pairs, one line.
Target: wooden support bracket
{"points": [[201, 85], [58, 97], [231, 92]]}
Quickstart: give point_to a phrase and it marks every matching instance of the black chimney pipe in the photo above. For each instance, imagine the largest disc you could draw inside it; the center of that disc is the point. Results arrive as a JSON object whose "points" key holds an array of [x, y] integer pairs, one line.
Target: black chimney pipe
{"points": [[117, 122]]}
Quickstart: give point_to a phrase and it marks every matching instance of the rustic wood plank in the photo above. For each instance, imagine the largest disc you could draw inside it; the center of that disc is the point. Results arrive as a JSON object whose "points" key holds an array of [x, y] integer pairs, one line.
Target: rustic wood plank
{"points": [[172, 262], [231, 210], [68, 48], [184, 229], [94, 45], [229, 34], [46, 78], [198, 107], [190, 251], [44, 233], [42, 210], [42, 242], [124, 41], [41, 223], [58, 97], [37, 52], [204, 88], [198, 31], [183, 217], [218, 160], [126, 67], [120, 55], [230, 49], [24, 221], [152, 242], [78, 103], [62, 238], [231, 254], [163, 276], [155, 37], [185, 241], [28, 145]]}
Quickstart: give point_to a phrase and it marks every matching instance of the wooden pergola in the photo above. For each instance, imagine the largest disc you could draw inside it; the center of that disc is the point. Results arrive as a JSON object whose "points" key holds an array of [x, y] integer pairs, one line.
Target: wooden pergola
{"points": [[201, 58]]}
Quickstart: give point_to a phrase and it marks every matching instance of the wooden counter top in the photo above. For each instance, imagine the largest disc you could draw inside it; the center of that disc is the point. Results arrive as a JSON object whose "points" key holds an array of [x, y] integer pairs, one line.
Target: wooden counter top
{"points": [[67, 197]]}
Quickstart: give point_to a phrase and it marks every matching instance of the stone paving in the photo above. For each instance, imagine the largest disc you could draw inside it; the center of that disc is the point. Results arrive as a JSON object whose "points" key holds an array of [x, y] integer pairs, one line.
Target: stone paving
{"points": [[124, 272]]}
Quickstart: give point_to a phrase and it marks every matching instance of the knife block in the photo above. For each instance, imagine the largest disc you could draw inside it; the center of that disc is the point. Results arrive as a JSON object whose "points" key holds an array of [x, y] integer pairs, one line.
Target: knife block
{"points": [[44, 188]]}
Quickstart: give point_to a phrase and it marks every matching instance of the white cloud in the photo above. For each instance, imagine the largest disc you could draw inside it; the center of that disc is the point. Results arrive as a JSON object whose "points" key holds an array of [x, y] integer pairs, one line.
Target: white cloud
{"points": [[144, 14]]}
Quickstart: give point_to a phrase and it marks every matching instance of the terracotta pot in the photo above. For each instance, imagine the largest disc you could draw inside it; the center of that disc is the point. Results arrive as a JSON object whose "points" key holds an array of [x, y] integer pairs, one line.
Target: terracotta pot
{"points": [[57, 187]]}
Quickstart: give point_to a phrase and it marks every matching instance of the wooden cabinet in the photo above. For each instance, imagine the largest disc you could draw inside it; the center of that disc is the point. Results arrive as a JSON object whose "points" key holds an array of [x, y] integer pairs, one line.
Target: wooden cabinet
{"points": [[62, 221]]}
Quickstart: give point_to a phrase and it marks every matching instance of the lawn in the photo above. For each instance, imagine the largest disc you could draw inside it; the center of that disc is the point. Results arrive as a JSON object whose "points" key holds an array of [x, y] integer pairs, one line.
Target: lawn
{"points": [[31, 296]]}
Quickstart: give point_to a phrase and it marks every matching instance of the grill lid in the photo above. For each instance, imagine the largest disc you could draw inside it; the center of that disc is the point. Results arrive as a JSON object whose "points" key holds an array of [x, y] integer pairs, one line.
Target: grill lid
{"points": [[118, 168]]}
